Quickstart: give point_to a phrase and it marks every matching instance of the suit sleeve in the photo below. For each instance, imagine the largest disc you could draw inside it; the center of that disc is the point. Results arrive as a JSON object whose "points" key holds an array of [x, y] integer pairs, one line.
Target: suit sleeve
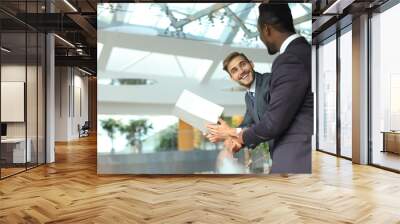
{"points": [[289, 85]]}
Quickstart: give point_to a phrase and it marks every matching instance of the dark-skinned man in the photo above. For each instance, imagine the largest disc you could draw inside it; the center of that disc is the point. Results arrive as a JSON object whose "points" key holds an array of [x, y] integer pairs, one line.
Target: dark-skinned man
{"points": [[288, 118]]}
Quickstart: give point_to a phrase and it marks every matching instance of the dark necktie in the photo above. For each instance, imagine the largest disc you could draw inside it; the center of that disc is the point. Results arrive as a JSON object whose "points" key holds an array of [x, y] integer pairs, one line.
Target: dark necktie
{"points": [[252, 96]]}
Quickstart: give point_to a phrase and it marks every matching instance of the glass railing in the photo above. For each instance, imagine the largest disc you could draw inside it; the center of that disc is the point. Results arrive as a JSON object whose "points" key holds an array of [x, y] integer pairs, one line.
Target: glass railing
{"points": [[190, 148]]}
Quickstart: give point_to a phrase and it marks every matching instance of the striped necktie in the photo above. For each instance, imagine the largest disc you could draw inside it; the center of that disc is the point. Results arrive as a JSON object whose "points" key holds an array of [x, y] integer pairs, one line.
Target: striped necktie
{"points": [[252, 97]]}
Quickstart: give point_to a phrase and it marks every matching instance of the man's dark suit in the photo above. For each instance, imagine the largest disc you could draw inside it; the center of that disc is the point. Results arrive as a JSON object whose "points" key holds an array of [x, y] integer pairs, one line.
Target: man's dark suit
{"points": [[253, 113], [288, 119]]}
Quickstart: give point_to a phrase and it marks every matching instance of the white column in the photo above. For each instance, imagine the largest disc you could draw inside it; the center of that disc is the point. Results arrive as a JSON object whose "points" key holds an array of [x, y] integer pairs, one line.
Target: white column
{"points": [[360, 90], [50, 92], [314, 90], [50, 99]]}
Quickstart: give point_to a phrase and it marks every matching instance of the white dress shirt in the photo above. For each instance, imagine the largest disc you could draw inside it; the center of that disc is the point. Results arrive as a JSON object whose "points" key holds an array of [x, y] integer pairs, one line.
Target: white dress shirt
{"points": [[252, 89], [288, 40], [253, 86]]}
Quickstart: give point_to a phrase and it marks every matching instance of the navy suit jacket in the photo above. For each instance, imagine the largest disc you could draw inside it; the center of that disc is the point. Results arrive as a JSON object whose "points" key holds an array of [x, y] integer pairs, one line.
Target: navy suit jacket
{"points": [[289, 112], [253, 113]]}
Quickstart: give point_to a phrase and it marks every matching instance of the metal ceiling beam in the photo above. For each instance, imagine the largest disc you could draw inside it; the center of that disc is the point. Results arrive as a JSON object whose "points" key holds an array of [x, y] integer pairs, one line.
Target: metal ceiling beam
{"points": [[16, 18], [116, 27], [239, 22], [78, 19], [63, 6], [210, 71], [201, 13], [169, 14], [82, 61], [307, 9], [11, 25], [320, 22], [84, 24], [91, 5], [302, 19], [337, 6], [244, 10], [49, 22], [90, 31]]}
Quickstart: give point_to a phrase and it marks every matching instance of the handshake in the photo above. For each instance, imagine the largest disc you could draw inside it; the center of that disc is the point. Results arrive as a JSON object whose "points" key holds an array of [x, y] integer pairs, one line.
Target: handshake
{"points": [[233, 140]]}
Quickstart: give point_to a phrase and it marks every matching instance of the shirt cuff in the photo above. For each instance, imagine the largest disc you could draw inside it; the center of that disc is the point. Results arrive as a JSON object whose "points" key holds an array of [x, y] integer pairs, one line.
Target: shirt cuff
{"points": [[238, 130]]}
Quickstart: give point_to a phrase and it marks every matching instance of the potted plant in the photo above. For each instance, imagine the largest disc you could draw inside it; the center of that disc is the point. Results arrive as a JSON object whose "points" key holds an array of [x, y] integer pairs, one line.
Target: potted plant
{"points": [[111, 126], [135, 130], [168, 139]]}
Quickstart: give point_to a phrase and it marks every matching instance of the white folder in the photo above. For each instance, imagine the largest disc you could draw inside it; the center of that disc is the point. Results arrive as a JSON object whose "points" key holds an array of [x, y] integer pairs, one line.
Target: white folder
{"points": [[196, 110]]}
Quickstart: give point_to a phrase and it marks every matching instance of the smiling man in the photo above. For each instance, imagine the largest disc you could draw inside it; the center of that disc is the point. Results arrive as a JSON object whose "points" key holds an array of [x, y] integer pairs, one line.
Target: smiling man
{"points": [[241, 70]]}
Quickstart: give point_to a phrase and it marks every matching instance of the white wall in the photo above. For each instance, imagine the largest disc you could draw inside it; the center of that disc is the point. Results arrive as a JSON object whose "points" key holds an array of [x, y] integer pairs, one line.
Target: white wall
{"points": [[61, 103], [79, 115], [71, 93]]}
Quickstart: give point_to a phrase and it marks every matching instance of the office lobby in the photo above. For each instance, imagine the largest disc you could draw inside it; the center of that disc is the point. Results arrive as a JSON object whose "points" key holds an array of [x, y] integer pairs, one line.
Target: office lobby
{"points": [[71, 68]]}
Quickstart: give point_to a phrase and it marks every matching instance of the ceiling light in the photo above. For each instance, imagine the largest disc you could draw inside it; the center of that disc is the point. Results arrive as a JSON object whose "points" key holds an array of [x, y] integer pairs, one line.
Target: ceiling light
{"points": [[70, 5], [5, 50], [118, 82], [65, 41]]}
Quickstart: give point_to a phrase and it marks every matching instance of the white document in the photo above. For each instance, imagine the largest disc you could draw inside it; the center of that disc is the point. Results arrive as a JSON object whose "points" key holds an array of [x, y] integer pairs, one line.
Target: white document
{"points": [[196, 110]]}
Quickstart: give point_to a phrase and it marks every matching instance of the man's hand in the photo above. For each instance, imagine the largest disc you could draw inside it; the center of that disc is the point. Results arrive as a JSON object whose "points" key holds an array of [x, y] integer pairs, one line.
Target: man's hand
{"points": [[219, 132], [213, 138], [232, 144], [240, 137]]}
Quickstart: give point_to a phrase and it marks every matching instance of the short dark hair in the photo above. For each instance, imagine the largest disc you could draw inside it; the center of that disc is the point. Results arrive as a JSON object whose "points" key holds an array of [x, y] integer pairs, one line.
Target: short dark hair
{"points": [[230, 57], [277, 15]]}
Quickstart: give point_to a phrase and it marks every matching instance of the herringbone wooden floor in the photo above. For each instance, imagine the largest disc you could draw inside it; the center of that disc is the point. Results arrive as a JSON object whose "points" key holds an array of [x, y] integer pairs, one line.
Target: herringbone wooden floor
{"points": [[70, 191]]}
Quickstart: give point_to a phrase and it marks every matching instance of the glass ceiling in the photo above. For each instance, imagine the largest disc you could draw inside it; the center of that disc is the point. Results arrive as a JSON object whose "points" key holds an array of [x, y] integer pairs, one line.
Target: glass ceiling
{"points": [[225, 23], [232, 24]]}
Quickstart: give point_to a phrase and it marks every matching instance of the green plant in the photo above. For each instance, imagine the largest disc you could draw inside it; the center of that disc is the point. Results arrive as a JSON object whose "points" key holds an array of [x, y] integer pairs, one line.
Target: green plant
{"points": [[111, 126], [135, 131], [264, 147], [168, 139], [262, 154]]}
